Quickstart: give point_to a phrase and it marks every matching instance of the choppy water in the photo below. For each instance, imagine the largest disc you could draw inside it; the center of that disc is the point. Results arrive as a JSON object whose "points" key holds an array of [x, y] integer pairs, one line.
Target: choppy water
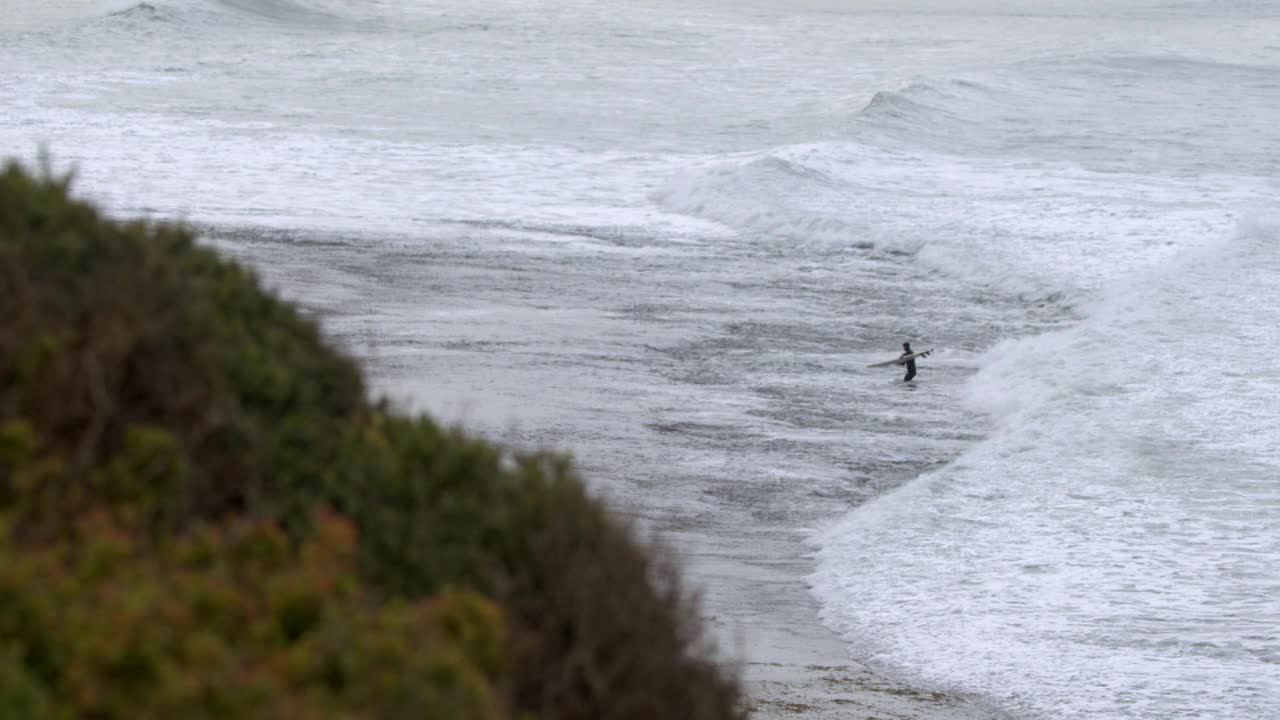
{"points": [[672, 234]]}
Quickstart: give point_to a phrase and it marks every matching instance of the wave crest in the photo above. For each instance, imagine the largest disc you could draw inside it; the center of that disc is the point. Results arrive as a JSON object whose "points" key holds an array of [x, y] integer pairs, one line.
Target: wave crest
{"points": [[282, 10], [141, 11]]}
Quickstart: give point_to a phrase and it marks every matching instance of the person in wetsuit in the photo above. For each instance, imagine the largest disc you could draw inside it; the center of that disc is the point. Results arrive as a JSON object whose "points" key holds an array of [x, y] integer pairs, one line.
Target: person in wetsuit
{"points": [[911, 364]]}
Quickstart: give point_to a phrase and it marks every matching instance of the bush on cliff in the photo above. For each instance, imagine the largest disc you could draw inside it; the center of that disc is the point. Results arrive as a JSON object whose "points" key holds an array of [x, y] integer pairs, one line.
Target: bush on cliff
{"points": [[151, 391], [232, 621]]}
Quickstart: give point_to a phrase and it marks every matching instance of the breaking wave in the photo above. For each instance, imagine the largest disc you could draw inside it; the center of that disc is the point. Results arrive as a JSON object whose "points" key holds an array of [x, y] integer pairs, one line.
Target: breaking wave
{"points": [[1105, 554]]}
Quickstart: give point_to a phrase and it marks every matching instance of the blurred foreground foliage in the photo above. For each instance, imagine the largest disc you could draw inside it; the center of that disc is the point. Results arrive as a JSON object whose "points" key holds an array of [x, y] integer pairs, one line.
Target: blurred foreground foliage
{"points": [[232, 621], [201, 515]]}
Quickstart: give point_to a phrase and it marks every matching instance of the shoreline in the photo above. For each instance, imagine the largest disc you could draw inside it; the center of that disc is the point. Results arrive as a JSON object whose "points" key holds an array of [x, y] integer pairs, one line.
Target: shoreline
{"points": [[652, 391], [792, 665]]}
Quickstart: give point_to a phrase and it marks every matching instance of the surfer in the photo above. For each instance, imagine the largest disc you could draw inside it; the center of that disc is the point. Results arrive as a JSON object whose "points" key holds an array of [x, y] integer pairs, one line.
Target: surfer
{"points": [[907, 358], [911, 362]]}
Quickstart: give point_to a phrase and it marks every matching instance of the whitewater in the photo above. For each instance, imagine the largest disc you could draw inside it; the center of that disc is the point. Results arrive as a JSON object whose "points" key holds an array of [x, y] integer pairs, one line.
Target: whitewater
{"points": [[670, 236]]}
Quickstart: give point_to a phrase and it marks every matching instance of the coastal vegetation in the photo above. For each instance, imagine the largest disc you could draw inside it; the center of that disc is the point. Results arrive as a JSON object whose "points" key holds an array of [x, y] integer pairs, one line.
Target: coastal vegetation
{"points": [[204, 514]]}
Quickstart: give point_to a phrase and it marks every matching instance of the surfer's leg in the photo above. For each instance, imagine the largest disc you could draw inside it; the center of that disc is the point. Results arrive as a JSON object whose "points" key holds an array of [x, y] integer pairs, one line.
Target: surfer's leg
{"points": [[911, 372]]}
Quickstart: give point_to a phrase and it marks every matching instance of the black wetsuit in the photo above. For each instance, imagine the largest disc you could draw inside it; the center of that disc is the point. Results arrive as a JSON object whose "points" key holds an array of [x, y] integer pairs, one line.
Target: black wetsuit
{"points": [[911, 369]]}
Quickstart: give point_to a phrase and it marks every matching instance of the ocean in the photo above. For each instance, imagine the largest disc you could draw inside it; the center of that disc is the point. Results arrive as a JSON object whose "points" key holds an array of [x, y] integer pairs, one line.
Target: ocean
{"points": [[670, 237]]}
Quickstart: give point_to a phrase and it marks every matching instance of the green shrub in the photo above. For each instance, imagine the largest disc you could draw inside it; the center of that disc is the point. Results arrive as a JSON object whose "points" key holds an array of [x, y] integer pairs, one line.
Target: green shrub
{"points": [[146, 381], [232, 621], [601, 628], [109, 326]]}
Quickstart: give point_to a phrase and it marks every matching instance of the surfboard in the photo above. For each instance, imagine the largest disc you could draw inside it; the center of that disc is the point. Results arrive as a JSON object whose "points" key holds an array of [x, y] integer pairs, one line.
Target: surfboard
{"points": [[903, 359]]}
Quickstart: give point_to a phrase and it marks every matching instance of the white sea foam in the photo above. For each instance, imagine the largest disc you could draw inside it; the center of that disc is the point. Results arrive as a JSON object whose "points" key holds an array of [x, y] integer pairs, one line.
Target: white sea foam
{"points": [[1029, 229], [1120, 522]]}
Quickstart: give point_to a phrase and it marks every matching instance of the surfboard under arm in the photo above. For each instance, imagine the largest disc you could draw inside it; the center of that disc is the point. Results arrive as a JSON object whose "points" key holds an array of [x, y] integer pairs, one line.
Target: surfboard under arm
{"points": [[902, 360]]}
